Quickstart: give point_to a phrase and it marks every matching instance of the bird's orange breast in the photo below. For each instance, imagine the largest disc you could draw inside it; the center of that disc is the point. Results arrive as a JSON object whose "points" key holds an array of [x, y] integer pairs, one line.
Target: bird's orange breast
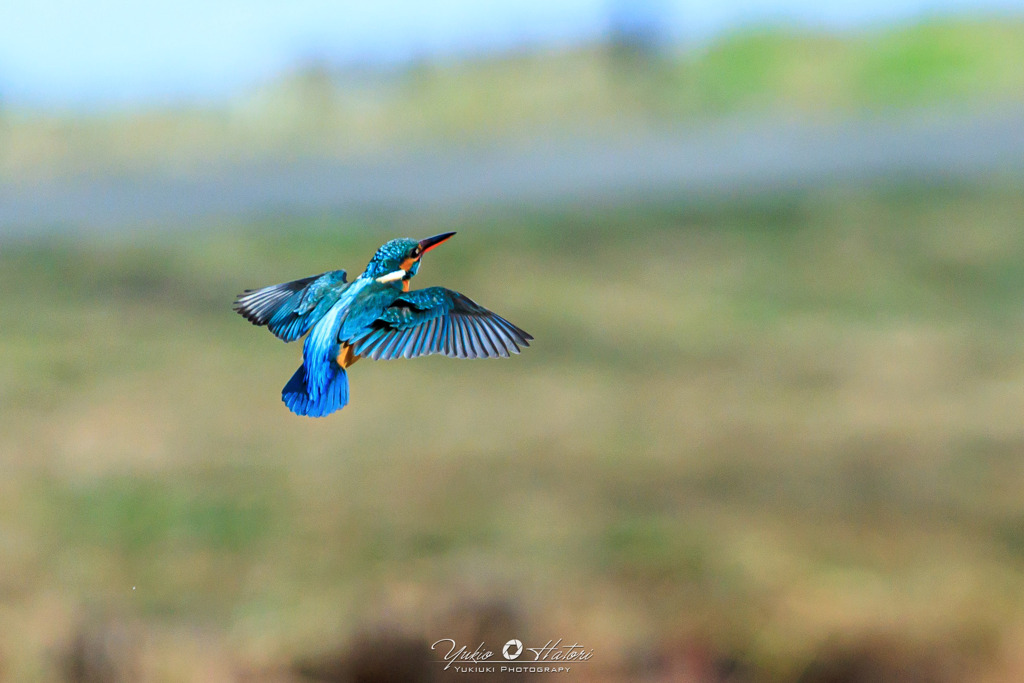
{"points": [[346, 357]]}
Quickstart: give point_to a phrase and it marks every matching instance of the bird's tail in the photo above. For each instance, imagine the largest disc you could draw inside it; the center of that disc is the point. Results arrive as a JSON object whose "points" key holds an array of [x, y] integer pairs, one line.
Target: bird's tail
{"points": [[332, 394]]}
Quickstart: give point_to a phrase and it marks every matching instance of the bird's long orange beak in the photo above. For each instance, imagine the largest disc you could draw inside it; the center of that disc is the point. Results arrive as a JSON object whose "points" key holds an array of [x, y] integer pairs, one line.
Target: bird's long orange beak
{"points": [[431, 242]]}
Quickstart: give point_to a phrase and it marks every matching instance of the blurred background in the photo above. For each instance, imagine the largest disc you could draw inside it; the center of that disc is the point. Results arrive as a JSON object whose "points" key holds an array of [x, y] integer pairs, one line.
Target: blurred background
{"points": [[771, 253]]}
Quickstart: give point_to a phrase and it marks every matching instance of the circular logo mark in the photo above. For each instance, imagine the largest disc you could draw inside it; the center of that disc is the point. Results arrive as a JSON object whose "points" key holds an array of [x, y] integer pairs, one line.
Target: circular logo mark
{"points": [[512, 649]]}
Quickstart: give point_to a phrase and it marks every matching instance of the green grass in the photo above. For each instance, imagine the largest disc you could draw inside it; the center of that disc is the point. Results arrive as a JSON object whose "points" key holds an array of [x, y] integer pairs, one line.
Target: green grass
{"points": [[766, 429]]}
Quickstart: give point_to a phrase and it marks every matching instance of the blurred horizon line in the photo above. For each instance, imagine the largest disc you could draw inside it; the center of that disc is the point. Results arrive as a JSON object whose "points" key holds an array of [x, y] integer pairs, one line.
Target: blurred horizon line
{"points": [[717, 160]]}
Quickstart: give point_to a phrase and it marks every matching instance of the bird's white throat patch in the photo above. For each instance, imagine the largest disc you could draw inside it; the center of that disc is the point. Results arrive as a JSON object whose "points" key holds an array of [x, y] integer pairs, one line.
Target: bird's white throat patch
{"points": [[392, 276]]}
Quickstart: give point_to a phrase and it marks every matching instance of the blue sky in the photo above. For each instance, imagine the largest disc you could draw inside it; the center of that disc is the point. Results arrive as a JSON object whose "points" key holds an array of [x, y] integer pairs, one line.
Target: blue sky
{"points": [[67, 53]]}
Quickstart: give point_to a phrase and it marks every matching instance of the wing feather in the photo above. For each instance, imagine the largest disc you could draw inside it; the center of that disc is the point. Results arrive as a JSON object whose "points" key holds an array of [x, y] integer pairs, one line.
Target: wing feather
{"points": [[482, 345], [259, 305], [424, 338], [466, 350], [389, 347], [290, 309], [436, 320], [494, 338]]}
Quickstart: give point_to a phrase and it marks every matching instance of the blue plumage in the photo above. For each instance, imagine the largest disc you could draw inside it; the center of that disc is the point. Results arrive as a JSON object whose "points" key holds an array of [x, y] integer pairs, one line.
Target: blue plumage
{"points": [[333, 397], [375, 316], [290, 309]]}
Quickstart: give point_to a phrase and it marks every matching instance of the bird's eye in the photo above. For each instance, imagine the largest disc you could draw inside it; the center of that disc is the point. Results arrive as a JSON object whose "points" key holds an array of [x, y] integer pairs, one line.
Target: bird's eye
{"points": [[416, 251]]}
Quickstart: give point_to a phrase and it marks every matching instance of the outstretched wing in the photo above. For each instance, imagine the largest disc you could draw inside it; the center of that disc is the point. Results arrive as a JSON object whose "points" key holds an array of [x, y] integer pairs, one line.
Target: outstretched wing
{"points": [[438, 320], [290, 309]]}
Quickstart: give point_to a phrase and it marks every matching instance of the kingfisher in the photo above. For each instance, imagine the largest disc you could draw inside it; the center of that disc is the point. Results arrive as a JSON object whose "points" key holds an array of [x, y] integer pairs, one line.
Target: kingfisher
{"points": [[375, 316]]}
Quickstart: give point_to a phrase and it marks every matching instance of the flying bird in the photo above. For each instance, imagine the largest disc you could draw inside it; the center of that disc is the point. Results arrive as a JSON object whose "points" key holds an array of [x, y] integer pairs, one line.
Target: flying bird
{"points": [[375, 316]]}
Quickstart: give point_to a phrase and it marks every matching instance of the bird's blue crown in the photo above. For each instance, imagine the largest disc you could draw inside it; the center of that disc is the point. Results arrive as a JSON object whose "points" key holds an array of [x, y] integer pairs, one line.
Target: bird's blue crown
{"points": [[390, 256]]}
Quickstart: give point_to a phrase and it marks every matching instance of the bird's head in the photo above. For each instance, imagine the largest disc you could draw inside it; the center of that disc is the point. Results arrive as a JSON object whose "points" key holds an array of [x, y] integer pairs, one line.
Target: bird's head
{"points": [[399, 260]]}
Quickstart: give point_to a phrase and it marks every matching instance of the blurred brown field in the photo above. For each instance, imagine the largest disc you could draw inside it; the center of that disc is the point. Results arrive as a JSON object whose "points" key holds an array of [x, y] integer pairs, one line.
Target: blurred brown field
{"points": [[759, 440]]}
